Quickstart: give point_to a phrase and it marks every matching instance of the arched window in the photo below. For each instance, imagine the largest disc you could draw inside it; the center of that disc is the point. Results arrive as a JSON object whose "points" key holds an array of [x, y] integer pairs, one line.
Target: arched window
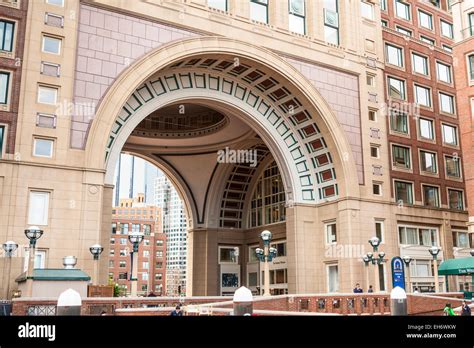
{"points": [[268, 199]]}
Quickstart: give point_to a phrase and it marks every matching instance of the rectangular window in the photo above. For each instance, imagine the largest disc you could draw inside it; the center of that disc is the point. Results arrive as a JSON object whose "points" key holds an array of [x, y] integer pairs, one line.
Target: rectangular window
{"points": [[471, 67], [425, 20], [403, 31], [401, 156], [43, 147], [145, 276], [56, 2], [452, 166], [427, 40], [396, 88], [450, 134], [404, 192], [4, 84], [398, 122], [428, 162], [331, 21], [402, 10], [427, 236], [443, 72], [145, 265], [122, 264], [123, 241], [38, 208], [45, 120], [422, 96], [394, 55], [7, 30], [455, 198], [374, 151], [51, 45], [426, 128], [280, 247], [123, 252], [252, 254], [47, 95], [420, 64], [372, 115], [218, 4], [384, 23], [227, 255], [383, 5], [408, 235], [124, 228], [431, 196], [123, 276], [259, 10], [379, 230], [446, 103], [54, 20], [446, 29], [377, 189], [370, 80], [333, 278], [367, 10], [111, 264], [297, 13], [447, 48], [331, 233], [461, 239]]}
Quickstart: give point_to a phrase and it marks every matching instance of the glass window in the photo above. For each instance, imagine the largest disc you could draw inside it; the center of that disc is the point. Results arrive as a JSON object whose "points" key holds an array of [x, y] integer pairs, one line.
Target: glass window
{"points": [[394, 55], [452, 166], [422, 96], [446, 103], [428, 162], [122, 264], [227, 255], [383, 5], [218, 4], [446, 29], [404, 192], [398, 121], [4, 84], [402, 9], [426, 128], [297, 15], [455, 198], [252, 254], [7, 30], [2, 138], [427, 236], [471, 66], [431, 196], [331, 233], [425, 20], [55, 2], [408, 235], [379, 230], [367, 10], [384, 23], [471, 23], [333, 278], [396, 88], [401, 156], [377, 189], [450, 134], [403, 31], [51, 45], [420, 64], [461, 239], [427, 40], [444, 72], [38, 208], [331, 21], [47, 95], [372, 115], [422, 268], [447, 48], [259, 10], [43, 148], [374, 151]]}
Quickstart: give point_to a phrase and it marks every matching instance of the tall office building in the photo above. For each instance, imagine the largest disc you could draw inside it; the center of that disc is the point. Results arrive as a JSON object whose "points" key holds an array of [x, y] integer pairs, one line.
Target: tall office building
{"points": [[173, 224]]}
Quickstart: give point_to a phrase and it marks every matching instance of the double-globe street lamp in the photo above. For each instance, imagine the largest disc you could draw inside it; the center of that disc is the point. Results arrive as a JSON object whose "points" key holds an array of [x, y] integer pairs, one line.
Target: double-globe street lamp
{"points": [[96, 250], [135, 238], [9, 247], [434, 251], [374, 259], [33, 233], [266, 255]]}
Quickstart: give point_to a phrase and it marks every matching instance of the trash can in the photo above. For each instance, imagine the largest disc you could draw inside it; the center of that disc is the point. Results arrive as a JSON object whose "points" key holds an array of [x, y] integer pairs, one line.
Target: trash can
{"points": [[69, 303], [243, 302], [5, 308], [398, 301]]}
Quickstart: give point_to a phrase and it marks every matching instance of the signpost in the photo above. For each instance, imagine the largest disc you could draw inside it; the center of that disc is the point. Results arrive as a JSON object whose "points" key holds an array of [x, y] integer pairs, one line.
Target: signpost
{"points": [[398, 273]]}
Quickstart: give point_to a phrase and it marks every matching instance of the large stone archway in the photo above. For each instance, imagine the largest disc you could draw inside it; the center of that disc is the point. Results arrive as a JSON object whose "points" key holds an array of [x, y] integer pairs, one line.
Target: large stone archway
{"points": [[276, 101]]}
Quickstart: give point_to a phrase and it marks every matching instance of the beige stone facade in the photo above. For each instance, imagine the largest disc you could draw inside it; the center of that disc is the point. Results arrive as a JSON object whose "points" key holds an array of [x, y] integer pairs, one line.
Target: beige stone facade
{"points": [[295, 99]]}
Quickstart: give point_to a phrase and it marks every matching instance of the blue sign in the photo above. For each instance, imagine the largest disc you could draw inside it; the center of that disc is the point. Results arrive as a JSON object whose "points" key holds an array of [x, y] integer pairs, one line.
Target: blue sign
{"points": [[398, 272]]}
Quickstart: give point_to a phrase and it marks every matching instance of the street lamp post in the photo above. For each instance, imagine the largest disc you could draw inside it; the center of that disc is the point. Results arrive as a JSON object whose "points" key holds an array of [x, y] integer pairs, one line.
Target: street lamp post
{"points": [[33, 233], [9, 247], [407, 260], [366, 260], [434, 251], [96, 250], [135, 238], [376, 260], [266, 255]]}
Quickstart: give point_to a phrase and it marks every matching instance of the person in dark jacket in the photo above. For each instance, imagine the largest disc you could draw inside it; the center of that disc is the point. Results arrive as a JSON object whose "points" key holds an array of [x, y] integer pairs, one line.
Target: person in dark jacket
{"points": [[358, 289], [466, 310], [176, 312]]}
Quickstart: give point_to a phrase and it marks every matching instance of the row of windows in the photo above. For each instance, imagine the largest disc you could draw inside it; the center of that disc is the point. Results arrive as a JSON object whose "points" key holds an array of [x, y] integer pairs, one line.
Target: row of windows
{"points": [[124, 252], [403, 10], [430, 195], [422, 95]]}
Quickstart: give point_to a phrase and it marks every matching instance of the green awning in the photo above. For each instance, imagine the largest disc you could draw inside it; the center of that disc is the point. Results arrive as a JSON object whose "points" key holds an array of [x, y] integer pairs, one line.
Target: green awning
{"points": [[51, 274], [457, 266]]}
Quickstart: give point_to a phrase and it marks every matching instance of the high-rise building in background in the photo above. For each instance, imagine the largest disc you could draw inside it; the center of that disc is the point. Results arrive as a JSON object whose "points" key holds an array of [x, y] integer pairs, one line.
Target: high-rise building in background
{"points": [[173, 223], [135, 215]]}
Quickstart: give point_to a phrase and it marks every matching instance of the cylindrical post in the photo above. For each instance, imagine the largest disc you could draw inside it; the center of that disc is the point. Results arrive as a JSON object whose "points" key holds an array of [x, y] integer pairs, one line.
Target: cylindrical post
{"points": [[435, 269], [29, 273], [408, 279], [367, 276], [266, 272], [133, 277], [96, 271], [376, 277]]}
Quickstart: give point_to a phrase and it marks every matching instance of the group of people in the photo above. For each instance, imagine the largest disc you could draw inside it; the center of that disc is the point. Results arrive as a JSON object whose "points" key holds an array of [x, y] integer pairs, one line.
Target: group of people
{"points": [[465, 310], [358, 289]]}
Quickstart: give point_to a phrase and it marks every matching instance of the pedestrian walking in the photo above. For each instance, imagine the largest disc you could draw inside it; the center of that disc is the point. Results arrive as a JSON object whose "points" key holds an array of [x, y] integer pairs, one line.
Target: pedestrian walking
{"points": [[358, 289], [371, 289], [466, 310], [176, 312], [448, 311]]}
